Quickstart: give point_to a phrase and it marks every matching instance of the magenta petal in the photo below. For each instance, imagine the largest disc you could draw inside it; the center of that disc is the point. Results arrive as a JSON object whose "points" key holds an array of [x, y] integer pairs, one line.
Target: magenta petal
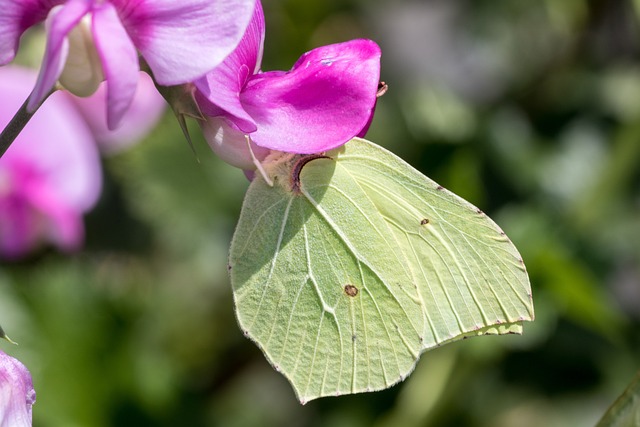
{"points": [[119, 61], [16, 393], [16, 17], [183, 40], [367, 125], [223, 85], [55, 53], [325, 100]]}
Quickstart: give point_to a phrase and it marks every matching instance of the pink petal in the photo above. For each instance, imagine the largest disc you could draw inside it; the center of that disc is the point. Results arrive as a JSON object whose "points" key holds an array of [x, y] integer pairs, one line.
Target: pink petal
{"points": [[63, 223], [18, 226], [33, 211], [119, 61], [222, 86], [230, 144], [183, 40], [16, 17], [16, 393], [67, 156], [143, 114], [50, 175], [325, 100], [63, 20]]}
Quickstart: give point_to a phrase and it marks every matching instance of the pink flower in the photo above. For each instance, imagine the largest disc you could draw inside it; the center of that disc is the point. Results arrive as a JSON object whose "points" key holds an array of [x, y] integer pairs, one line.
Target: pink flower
{"points": [[327, 98], [93, 40], [51, 174], [144, 113], [16, 393]]}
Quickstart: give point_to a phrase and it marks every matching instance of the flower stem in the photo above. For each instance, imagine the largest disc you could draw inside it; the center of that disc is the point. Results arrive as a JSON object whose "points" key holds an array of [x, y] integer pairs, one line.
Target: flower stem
{"points": [[17, 124]]}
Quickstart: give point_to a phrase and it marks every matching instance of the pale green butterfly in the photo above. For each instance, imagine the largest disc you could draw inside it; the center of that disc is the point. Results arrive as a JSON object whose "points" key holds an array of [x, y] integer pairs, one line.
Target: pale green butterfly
{"points": [[353, 263]]}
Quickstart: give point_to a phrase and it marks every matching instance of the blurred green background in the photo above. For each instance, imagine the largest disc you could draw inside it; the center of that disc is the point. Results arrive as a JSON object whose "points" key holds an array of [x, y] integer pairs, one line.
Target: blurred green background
{"points": [[530, 110]]}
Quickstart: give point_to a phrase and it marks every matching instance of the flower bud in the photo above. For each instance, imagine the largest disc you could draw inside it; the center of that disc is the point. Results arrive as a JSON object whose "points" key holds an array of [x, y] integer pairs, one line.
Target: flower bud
{"points": [[82, 73], [231, 145]]}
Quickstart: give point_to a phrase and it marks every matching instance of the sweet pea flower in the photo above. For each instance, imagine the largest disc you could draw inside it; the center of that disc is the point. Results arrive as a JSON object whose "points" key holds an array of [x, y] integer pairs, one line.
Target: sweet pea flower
{"points": [[144, 113], [327, 98], [51, 174], [89, 41], [16, 393]]}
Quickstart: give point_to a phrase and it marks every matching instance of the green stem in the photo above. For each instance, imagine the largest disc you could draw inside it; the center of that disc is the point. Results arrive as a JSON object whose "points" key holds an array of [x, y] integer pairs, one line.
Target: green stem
{"points": [[17, 124]]}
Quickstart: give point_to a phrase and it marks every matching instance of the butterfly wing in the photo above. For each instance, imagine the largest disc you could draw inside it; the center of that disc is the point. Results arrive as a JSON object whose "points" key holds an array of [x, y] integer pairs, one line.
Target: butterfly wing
{"points": [[355, 263]]}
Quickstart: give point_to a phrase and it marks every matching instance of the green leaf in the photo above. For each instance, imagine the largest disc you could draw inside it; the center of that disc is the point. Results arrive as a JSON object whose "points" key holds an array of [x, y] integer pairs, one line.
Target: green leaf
{"points": [[354, 263], [625, 411]]}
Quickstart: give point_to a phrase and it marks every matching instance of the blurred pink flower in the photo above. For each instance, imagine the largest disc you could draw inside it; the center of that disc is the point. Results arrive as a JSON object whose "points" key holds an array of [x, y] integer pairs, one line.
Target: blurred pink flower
{"points": [[16, 393], [327, 98], [144, 113], [49, 177], [93, 40]]}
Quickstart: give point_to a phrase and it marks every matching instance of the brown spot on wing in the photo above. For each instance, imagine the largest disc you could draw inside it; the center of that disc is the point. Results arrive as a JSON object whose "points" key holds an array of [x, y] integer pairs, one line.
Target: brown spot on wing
{"points": [[350, 290]]}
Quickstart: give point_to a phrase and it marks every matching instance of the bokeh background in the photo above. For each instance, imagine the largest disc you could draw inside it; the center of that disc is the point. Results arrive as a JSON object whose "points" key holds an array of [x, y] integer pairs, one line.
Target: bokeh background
{"points": [[530, 110]]}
